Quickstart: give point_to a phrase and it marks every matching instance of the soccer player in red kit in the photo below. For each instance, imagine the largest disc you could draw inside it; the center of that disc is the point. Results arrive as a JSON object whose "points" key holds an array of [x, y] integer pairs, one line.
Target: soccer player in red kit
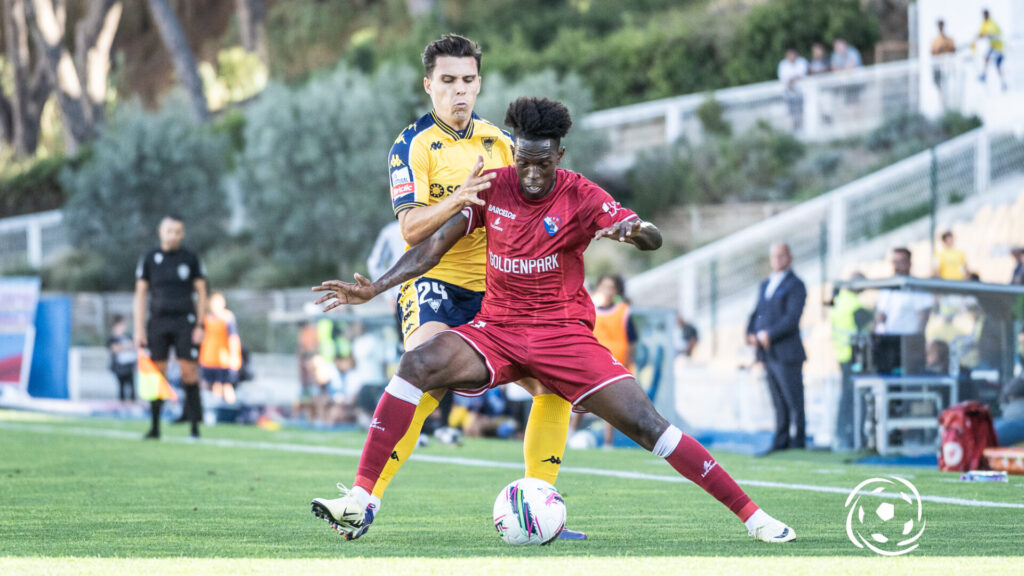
{"points": [[536, 318]]}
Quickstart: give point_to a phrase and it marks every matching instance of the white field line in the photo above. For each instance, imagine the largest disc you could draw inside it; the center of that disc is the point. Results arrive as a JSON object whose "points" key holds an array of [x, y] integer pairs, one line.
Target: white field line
{"points": [[473, 462]]}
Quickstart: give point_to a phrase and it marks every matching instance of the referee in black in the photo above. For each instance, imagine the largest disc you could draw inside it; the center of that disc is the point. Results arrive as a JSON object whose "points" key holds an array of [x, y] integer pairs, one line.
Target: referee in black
{"points": [[175, 281]]}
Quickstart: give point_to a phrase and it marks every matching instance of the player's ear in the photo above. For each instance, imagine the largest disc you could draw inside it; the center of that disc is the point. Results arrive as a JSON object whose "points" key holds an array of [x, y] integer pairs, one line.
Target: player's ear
{"points": [[426, 84], [561, 151]]}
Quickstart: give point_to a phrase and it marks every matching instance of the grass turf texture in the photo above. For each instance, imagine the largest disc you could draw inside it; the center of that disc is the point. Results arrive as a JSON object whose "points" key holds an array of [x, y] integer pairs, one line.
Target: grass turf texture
{"points": [[74, 502]]}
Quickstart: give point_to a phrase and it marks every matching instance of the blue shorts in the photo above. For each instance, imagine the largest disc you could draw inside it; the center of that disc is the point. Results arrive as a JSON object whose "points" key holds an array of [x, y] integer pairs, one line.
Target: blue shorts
{"points": [[427, 300], [997, 56], [222, 375]]}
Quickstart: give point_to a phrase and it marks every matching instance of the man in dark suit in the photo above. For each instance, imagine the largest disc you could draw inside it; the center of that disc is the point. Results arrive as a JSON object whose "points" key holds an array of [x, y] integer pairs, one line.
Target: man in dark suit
{"points": [[774, 328]]}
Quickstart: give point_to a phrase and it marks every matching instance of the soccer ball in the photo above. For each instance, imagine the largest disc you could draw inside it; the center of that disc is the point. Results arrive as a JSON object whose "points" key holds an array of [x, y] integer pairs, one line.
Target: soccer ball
{"points": [[529, 512]]}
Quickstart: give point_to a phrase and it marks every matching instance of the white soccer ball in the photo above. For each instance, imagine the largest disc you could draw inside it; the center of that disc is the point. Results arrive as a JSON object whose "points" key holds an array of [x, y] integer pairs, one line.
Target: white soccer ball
{"points": [[529, 512]]}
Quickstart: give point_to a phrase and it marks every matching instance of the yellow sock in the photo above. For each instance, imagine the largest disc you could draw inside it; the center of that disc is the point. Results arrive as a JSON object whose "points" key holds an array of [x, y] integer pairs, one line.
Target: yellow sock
{"points": [[406, 445], [544, 440], [458, 417]]}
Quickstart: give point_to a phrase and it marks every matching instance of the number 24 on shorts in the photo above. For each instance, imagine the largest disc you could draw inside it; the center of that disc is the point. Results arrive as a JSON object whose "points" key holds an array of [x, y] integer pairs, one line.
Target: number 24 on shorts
{"points": [[424, 290]]}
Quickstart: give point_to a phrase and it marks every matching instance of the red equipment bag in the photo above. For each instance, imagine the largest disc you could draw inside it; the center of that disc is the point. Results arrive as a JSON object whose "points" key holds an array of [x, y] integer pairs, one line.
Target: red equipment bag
{"points": [[965, 431]]}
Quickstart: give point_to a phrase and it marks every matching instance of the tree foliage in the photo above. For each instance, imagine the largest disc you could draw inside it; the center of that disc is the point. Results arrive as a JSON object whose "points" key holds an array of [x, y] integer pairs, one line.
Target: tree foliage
{"points": [[582, 147], [776, 25], [145, 165], [313, 170], [755, 165]]}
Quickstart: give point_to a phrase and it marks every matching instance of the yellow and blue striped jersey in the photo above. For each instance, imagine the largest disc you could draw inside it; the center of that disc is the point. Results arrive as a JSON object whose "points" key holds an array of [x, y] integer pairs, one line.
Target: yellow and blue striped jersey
{"points": [[429, 161]]}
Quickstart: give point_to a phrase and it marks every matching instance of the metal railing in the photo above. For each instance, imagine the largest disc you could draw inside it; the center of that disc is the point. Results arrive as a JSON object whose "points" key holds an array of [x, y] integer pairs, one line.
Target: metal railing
{"points": [[825, 107], [823, 231], [32, 240]]}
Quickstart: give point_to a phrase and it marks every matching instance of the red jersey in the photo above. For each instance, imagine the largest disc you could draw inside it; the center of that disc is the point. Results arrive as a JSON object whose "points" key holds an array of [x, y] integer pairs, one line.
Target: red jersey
{"points": [[535, 248]]}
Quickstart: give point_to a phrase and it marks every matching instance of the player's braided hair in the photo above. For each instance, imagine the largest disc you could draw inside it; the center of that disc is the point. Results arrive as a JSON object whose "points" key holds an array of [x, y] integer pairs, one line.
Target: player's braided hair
{"points": [[450, 45], [538, 118]]}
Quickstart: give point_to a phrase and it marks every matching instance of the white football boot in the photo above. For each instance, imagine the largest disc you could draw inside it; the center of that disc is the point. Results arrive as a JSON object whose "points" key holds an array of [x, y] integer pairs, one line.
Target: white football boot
{"points": [[768, 529], [350, 514]]}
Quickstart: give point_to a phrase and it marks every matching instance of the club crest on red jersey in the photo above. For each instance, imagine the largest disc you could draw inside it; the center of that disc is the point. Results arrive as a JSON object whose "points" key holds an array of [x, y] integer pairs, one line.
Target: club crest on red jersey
{"points": [[552, 223]]}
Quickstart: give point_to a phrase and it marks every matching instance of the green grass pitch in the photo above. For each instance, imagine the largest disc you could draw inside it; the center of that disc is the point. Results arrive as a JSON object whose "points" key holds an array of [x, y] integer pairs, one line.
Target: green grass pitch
{"points": [[89, 497]]}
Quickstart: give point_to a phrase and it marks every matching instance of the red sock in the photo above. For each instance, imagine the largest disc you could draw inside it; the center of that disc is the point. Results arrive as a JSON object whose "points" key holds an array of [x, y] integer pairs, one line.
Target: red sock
{"points": [[390, 422], [698, 466]]}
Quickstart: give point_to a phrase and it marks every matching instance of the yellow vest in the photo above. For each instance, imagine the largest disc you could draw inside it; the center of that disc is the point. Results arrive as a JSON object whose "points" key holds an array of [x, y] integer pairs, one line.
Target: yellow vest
{"points": [[844, 326]]}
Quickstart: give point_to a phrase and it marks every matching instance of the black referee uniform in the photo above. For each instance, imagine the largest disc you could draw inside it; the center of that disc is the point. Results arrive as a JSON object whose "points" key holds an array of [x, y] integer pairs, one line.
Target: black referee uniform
{"points": [[172, 316]]}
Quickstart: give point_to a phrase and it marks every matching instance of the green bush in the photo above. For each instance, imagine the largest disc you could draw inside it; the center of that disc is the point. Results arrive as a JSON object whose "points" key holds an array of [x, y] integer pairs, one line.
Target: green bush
{"points": [[78, 271], [908, 134], [756, 165], [145, 165], [37, 188], [313, 172], [775, 25], [582, 147]]}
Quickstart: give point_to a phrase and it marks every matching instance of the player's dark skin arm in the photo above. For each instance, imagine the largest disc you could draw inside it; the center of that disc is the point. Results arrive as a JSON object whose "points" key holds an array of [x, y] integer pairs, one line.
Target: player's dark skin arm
{"points": [[643, 235], [416, 261]]}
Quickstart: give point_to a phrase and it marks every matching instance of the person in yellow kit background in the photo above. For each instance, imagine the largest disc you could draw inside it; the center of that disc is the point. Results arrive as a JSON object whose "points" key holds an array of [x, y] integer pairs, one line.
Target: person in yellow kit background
{"points": [[614, 329], [950, 262]]}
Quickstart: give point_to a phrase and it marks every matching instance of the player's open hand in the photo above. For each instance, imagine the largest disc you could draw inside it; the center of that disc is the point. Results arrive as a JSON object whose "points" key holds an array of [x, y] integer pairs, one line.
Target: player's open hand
{"points": [[474, 184], [621, 231], [340, 293]]}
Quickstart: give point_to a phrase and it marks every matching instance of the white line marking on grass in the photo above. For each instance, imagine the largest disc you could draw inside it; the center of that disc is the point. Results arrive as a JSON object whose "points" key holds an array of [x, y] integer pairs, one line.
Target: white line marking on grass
{"points": [[477, 463]]}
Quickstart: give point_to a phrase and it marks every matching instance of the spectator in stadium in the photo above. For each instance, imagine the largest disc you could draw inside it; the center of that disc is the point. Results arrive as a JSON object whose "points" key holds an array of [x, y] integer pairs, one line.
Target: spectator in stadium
{"points": [[306, 348], [614, 329], [790, 70], [902, 312], [819, 60], [991, 32], [220, 355], [122, 358], [942, 44], [173, 281], [1010, 426], [688, 337], [848, 318], [1018, 270], [844, 56], [774, 329], [937, 358], [900, 319], [342, 392], [950, 262]]}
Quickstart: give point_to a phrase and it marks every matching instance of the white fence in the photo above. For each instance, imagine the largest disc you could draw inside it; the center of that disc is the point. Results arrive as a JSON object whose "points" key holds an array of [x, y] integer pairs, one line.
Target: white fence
{"points": [[828, 106], [822, 231], [32, 240]]}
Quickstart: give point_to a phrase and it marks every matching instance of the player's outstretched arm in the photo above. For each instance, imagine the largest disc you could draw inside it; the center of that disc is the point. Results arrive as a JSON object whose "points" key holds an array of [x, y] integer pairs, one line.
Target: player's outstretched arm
{"points": [[419, 223], [643, 235], [415, 262]]}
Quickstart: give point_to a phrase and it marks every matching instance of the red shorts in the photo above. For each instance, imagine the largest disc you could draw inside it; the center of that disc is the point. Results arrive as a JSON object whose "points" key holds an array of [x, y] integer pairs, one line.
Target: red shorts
{"points": [[567, 359]]}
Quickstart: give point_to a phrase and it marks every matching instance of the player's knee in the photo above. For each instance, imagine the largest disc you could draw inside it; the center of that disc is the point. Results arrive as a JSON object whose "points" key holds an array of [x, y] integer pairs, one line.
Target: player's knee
{"points": [[422, 369], [649, 429]]}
